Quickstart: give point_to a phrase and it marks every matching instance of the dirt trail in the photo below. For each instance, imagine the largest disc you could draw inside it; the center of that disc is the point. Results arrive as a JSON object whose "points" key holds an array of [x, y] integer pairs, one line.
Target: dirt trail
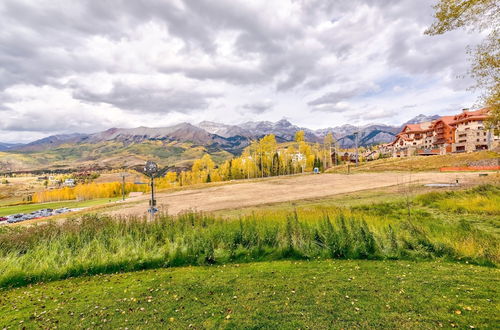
{"points": [[230, 196]]}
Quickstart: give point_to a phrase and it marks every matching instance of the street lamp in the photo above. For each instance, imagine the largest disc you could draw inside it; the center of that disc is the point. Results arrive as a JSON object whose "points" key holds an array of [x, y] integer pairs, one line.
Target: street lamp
{"points": [[123, 175], [356, 143], [151, 168]]}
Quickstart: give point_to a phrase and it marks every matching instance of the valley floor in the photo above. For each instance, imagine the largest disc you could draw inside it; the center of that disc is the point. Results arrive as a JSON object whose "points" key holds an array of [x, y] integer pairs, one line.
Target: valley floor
{"points": [[283, 189], [284, 294], [436, 282]]}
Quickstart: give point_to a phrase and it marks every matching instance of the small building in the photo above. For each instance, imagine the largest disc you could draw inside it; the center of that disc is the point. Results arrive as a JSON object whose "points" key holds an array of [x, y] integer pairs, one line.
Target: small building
{"points": [[349, 157], [298, 157], [69, 183]]}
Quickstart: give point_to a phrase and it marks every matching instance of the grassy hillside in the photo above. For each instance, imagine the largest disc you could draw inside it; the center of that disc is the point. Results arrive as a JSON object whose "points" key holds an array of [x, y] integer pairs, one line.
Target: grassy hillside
{"points": [[108, 154], [286, 294], [290, 266], [418, 163], [433, 226]]}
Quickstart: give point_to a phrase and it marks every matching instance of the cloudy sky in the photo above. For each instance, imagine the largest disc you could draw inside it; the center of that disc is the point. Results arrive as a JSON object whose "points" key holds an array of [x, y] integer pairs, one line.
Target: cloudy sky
{"points": [[85, 66]]}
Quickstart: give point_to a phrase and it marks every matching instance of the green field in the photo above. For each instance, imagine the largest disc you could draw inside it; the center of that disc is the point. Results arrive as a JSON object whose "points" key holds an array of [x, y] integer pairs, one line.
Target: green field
{"points": [[418, 163], [27, 208], [426, 260], [285, 294]]}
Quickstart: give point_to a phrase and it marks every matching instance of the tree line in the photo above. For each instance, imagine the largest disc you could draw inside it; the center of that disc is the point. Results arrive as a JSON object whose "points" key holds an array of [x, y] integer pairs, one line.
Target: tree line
{"points": [[262, 158]]}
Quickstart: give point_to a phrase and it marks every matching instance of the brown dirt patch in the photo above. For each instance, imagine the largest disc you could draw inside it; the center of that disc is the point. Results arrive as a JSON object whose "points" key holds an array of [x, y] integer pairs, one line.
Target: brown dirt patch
{"points": [[275, 190]]}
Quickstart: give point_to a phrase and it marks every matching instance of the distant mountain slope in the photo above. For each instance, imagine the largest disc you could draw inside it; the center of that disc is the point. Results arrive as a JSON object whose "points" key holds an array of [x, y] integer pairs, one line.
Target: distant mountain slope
{"points": [[421, 118], [51, 142], [224, 130], [177, 145], [181, 132], [7, 146], [282, 129]]}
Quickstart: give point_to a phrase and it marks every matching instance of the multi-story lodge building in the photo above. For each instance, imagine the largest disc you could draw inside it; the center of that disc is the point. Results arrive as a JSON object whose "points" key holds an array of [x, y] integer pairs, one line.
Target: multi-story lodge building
{"points": [[470, 134], [464, 132]]}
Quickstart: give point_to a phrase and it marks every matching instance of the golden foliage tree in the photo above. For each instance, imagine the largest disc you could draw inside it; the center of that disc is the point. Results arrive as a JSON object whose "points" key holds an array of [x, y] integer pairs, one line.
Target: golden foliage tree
{"points": [[299, 136]]}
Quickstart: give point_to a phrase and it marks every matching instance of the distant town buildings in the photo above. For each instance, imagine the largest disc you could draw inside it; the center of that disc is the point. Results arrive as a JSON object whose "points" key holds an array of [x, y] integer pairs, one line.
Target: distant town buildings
{"points": [[69, 183], [464, 132]]}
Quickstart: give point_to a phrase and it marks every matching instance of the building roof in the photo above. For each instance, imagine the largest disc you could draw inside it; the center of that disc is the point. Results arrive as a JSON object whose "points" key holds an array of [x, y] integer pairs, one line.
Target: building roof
{"points": [[471, 115], [448, 120], [414, 127], [417, 128]]}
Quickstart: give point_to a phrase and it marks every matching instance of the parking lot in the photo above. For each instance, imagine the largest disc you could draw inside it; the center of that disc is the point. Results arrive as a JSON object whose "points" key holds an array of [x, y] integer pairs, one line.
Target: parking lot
{"points": [[43, 213]]}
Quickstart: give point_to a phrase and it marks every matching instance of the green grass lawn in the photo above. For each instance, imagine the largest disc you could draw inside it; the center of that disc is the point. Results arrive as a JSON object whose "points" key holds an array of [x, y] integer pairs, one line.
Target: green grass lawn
{"points": [[417, 163], [281, 294], [427, 262], [27, 208]]}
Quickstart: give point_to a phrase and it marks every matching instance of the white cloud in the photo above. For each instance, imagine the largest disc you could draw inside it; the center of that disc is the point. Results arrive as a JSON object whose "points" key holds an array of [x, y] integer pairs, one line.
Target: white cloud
{"points": [[90, 65]]}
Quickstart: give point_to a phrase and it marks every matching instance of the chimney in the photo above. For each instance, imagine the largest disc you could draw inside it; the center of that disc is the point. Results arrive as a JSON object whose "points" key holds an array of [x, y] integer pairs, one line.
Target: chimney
{"points": [[464, 110]]}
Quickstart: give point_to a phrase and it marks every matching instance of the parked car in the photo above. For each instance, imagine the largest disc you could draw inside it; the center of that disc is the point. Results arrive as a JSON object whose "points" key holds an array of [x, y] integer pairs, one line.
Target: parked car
{"points": [[3, 219], [62, 210], [15, 218]]}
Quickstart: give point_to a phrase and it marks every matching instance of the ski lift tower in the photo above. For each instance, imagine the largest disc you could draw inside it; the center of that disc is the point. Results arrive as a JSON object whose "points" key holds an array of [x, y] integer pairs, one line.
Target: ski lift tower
{"points": [[151, 169]]}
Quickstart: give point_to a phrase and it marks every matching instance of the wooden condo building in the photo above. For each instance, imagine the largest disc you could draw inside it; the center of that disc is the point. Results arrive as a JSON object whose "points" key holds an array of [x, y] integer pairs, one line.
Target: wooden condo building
{"points": [[464, 132]]}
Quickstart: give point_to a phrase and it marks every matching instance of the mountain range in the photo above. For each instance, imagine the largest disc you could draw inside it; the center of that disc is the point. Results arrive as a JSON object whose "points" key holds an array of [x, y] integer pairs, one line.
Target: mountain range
{"points": [[176, 144], [8, 146]]}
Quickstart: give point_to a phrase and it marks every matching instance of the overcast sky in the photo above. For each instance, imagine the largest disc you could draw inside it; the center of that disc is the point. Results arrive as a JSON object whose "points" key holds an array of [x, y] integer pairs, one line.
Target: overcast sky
{"points": [[85, 66]]}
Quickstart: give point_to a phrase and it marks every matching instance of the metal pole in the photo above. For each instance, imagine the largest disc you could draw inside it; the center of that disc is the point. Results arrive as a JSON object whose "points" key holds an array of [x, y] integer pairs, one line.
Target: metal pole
{"points": [[324, 157], [123, 187], [356, 141], [336, 160], [152, 191], [272, 165], [261, 166], [152, 198]]}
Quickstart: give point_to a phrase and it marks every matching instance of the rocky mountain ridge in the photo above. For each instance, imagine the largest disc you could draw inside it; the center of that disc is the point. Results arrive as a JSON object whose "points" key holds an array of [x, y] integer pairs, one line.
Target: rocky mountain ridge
{"points": [[232, 138]]}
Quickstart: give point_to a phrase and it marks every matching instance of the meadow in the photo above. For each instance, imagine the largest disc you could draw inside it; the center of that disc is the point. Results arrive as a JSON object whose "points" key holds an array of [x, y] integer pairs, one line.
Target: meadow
{"points": [[418, 163], [326, 294], [426, 227]]}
